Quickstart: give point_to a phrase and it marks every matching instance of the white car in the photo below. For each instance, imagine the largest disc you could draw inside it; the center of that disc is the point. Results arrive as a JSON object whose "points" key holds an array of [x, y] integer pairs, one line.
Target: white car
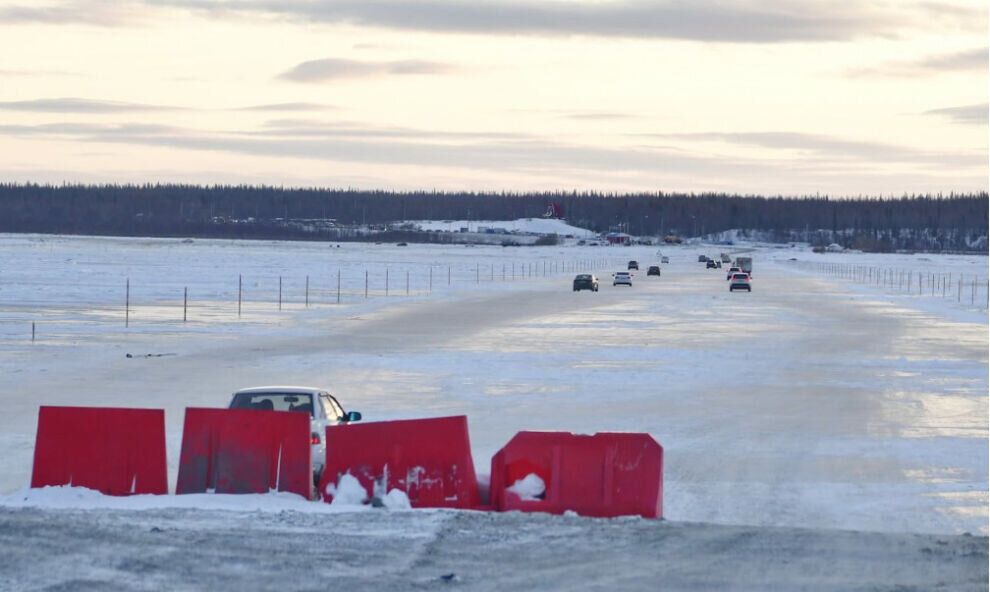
{"points": [[323, 409], [740, 281], [622, 278]]}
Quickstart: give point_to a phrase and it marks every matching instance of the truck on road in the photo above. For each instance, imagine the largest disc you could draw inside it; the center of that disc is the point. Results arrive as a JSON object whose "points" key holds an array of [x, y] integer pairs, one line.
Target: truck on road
{"points": [[745, 264]]}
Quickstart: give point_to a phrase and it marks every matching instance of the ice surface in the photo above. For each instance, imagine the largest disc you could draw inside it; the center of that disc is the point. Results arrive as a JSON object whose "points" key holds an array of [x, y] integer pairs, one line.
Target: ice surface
{"points": [[816, 401]]}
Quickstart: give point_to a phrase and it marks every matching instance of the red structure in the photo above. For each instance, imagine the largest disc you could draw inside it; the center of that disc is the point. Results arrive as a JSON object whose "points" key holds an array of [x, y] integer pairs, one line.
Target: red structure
{"points": [[245, 451], [604, 475], [115, 451], [428, 459]]}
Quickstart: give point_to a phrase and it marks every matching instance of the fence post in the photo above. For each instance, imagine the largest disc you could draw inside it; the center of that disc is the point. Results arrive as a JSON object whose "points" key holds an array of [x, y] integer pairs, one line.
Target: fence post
{"points": [[365, 283], [127, 303], [448, 275], [32, 331], [431, 279], [307, 291], [239, 284], [338, 286], [185, 303], [386, 281], [407, 282], [280, 293]]}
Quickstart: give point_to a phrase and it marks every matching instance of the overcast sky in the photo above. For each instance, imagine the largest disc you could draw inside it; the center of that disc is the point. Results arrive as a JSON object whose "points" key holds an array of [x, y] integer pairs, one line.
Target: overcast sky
{"points": [[797, 97]]}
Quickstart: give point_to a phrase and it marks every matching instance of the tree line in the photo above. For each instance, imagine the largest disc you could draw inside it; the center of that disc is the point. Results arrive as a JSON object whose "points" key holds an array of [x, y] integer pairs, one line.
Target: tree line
{"points": [[923, 222]]}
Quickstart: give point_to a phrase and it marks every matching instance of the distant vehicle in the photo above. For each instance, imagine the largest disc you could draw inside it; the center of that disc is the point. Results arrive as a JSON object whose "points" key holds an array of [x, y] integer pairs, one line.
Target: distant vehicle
{"points": [[653, 270], [665, 260], [745, 264], [711, 264], [622, 278], [322, 407], [585, 281], [732, 270], [633, 265], [740, 281], [402, 244], [703, 258], [725, 257]]}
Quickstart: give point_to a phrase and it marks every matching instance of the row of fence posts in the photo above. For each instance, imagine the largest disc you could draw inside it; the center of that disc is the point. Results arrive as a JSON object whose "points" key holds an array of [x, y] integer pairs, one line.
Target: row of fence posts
{"points": [[938, 284], [508, 272]]}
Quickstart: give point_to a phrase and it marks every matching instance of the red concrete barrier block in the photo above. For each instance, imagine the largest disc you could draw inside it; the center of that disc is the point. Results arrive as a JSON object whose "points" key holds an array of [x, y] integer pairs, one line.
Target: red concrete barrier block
{"points": [[245, 451], [115, 451], [603, 475], [428, 459]]}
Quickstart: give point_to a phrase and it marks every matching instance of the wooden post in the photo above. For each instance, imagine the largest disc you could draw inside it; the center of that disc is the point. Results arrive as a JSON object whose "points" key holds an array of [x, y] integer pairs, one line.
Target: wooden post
{"points": [[127, 303], [431, 279], [239, 285], [407, 282], [185, 303], [448, 275], [386, 281], [280, 293], [365, 283], [307, 291], [338, 286], [32, 331]]}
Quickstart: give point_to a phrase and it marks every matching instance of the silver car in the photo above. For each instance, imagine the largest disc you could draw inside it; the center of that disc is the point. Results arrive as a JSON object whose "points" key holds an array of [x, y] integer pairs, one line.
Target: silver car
{"points": [[323, 409]]}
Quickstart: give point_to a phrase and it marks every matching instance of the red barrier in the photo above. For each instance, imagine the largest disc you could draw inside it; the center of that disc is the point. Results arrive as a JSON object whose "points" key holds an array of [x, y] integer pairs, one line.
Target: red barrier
{"points": [[604, 475], [245, 451], [428, 459], [115, 451]]}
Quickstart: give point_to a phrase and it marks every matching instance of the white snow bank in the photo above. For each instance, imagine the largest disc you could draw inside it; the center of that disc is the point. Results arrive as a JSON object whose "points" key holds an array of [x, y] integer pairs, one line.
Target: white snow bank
{"points": [[529, 488], [66, 497], [525, 225]]}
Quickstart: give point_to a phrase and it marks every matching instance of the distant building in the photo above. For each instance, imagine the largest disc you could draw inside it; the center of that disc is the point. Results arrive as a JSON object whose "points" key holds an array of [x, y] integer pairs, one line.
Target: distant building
{"points": [[618, 238]]}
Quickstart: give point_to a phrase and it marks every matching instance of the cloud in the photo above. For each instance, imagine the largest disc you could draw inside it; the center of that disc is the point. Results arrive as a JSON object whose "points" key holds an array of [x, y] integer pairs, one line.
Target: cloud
{"points": [[770, 21], [971, 114], [289, 107], [77, 105], [837, 150], [824, 164], [973, 60], [85, 12], [334, 69]]}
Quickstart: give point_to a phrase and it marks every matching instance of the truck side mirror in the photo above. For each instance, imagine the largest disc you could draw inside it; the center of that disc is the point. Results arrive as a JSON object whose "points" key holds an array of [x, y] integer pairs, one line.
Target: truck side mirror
{"points": [[353, 416]]}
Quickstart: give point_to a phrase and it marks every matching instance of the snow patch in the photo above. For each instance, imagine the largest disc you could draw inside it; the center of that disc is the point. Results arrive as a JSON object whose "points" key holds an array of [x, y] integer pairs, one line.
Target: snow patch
{"points": [[529, 488], [347, 491], [397, 500]]}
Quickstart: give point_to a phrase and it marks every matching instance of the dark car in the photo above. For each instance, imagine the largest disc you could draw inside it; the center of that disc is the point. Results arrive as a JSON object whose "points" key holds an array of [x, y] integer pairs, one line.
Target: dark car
{"points": [[653, 270], [585, 281], [711, 264], [633, 265]]}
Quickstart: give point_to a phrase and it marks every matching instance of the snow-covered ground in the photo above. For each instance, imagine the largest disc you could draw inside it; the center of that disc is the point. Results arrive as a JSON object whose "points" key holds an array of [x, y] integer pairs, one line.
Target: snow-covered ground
{"points": [[815, 401]]}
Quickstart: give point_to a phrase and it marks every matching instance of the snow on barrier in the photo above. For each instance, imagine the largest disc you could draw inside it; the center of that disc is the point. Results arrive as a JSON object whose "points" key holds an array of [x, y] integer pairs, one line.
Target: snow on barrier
{"points": [[604, 475], [428, 459], [115, 451], [245, 451]]}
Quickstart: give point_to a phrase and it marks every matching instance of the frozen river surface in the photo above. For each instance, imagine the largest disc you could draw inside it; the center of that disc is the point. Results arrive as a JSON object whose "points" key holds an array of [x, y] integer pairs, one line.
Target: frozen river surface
{"points": [[814, 402]]}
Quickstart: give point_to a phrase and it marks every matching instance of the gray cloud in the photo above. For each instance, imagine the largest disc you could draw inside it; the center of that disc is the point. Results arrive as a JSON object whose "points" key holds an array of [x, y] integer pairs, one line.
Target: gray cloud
{"points": [[79, 12], [332, 69], [702, 20], [289, 107], [972, 114], [974, 60], [77, 105], [837, 150]]}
